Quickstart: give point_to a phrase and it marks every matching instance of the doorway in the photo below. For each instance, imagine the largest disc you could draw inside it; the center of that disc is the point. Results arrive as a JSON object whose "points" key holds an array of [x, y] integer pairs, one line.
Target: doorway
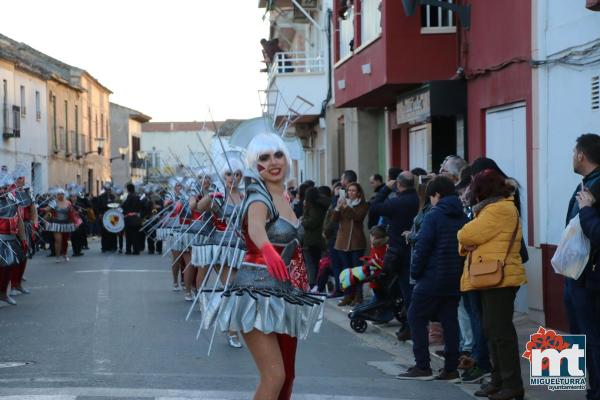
{"points": [[506, 143], [419, 147]]}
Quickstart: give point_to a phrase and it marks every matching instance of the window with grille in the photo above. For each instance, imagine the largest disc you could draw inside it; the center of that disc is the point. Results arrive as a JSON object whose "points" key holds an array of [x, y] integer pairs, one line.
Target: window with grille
{"points": [[596, 93], [437, 20], [23, 102]]}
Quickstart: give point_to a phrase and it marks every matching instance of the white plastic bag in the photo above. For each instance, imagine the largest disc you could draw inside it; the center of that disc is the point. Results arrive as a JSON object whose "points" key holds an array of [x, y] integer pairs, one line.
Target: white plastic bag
{"points": [[573, 251]]}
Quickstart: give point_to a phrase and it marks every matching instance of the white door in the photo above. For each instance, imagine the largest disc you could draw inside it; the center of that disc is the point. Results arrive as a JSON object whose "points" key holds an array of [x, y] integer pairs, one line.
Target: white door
{"points": [[506, 144], [419, 147]]}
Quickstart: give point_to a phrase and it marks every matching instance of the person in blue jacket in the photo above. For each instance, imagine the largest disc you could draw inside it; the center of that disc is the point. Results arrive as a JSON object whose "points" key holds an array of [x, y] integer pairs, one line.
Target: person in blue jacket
{"points": [[590, 224], [436, 268]]}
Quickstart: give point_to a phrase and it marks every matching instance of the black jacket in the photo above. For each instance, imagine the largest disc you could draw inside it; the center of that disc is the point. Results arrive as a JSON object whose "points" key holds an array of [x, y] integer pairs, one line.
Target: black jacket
{"points": [[436, 265], [373, 216], [586, 217], [400, 212], [134, 207]]}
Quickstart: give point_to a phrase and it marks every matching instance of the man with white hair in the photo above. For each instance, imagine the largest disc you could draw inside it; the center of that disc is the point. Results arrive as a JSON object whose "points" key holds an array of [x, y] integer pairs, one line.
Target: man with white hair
{"points": [[451, 167]]}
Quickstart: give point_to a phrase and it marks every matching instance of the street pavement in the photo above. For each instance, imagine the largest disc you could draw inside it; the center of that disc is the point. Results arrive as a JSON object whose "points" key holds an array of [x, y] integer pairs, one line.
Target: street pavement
{"points": [[109, 327]]}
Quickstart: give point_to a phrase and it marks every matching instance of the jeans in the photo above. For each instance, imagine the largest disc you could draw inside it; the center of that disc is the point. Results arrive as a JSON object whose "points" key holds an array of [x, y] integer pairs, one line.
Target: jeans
{"points": [[425, 308], [336, 264], [498, 306], [480, 351], [466, 333], [583, 310]]}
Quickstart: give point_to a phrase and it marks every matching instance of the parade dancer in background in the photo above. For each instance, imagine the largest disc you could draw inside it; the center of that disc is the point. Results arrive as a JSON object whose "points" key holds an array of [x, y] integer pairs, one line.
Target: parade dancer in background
{"points": [[13, 244], [63, 220], [29, 216], [78, 236], [268, 299], [108, 239], [175, 201]]}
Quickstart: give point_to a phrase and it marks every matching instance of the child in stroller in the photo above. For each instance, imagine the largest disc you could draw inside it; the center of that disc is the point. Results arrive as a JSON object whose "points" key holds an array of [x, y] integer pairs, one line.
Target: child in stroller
{"points": [[386, 303]]}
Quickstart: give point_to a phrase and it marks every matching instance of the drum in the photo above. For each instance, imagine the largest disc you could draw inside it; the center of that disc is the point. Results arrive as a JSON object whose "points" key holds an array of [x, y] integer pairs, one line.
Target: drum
{"points": [[113, 220]]}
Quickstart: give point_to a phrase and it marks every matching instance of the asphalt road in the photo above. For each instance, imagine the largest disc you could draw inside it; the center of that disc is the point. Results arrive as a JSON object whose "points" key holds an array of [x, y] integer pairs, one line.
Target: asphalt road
{"points": [[109, 327]]}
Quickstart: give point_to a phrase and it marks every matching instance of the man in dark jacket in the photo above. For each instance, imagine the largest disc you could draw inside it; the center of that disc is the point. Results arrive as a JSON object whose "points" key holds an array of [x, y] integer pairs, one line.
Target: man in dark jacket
{"points": [[132, 210], [582, 296], [436, 268], [376, 182], [400, 212]]}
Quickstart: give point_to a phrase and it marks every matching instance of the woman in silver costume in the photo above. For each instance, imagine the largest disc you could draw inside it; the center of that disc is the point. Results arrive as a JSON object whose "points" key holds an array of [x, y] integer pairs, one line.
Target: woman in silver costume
{"points": [[219, 245], [174, 201], [63, 220], [200, 227], [268, 299], [12, 237]]}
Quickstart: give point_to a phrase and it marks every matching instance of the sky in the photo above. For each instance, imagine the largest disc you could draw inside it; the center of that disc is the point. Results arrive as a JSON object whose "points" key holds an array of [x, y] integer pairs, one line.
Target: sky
{"points": [[171, 60]]}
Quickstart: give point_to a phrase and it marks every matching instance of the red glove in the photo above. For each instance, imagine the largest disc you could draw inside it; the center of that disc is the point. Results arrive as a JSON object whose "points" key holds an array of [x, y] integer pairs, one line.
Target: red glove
{"points": [[24, 245], [275, 264], [36, 227]]}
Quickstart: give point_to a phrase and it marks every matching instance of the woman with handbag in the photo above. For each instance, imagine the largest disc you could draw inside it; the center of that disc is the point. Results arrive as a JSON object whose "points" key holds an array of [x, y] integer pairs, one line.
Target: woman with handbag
{"points": [[491, 242]]}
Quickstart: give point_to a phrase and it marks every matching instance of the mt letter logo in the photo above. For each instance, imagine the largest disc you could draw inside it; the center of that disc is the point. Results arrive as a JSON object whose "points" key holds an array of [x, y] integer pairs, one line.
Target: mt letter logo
{"points": [[556, 361]]}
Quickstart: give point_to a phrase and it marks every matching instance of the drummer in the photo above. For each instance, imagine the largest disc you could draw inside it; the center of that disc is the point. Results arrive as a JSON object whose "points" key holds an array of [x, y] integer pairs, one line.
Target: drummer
{"points": [[132, 210], [109, 239]]}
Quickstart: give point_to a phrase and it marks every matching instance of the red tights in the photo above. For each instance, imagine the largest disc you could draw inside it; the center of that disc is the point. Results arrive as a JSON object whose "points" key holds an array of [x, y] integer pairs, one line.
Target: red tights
{"points": [[287, 346], [17, 274]]}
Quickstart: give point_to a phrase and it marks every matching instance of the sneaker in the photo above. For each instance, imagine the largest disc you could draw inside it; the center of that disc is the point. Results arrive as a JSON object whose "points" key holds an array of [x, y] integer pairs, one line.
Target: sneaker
{"points": [[22, 290], [314, 289], [9, 300], [67, 259], [176, 287], [14, 292], [189, 296], [474, 375], [416, 373], [234, 341], [58, 260], [451, 377]]}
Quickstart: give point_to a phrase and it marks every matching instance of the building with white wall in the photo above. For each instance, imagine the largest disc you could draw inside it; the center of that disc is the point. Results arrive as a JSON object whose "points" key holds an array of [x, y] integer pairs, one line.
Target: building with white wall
{"points": [[126, 136], [23, 120], [566, 104], [174, 147]]}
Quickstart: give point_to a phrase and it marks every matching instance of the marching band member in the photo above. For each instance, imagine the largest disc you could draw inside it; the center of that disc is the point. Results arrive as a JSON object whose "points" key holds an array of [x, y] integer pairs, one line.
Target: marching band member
{"points": [[175, 200], [13, 243], [268, 299], [108, 239]]}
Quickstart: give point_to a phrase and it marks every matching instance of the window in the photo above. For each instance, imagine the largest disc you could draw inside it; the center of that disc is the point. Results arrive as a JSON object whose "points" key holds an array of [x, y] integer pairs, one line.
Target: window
{"points": [[38, 106], [16, 121], [370, 20], [89, 132], [77, 129], [101, 125], [5, 117], [67, 147], [347, 33], [437, 19], [54, 125], [23, 108]]}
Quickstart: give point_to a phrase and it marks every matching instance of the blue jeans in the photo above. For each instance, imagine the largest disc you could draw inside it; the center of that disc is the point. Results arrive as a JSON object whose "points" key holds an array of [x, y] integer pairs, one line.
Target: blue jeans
{"points": [[480, 351], [336, 264], [583, 310], [425, 308]]}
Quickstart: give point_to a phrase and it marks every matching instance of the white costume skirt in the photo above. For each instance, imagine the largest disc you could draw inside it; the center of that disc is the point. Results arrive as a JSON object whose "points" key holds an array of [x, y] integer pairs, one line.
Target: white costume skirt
{"points": [[62, 227], [256, 300]]}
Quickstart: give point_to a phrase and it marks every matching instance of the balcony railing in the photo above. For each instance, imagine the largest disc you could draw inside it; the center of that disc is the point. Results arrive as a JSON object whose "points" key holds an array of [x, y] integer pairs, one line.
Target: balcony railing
{"points": [[297, 62]]}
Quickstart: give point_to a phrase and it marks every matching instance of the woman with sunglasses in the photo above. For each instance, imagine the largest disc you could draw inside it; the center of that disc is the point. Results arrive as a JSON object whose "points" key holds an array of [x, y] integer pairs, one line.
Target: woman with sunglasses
{"points": [[219, 246], [268, 299]]}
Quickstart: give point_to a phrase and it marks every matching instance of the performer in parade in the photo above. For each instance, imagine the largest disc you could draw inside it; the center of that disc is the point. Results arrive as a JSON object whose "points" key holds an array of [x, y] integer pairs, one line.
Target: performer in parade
{"points": [[62, 222], [132, 210], [78, 236], [13, 243], [153, 206], [268, 299], [29, 217], [108, 239], [175, 201]]}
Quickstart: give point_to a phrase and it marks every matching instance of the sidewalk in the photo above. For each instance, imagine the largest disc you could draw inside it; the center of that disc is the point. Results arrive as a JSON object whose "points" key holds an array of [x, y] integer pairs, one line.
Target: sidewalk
{"points": [[524, 328]]}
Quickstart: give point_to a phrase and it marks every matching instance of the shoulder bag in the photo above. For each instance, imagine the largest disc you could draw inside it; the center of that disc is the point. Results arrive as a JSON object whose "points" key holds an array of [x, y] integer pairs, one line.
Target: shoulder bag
{"points": [[489, 274]]}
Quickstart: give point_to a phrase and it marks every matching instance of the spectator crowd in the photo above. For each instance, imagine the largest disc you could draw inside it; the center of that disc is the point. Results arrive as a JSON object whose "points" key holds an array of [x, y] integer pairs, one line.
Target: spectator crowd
{"points": [[450, 246]]}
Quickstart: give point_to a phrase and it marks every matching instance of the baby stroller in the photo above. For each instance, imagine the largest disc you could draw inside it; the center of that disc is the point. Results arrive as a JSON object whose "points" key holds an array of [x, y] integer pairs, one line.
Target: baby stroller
{"points": [[387, 306]]}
